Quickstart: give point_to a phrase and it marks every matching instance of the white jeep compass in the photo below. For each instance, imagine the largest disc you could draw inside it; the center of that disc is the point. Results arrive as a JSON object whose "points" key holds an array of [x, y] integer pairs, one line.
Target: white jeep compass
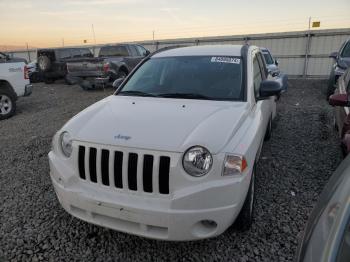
{"points": [[172, 154]]}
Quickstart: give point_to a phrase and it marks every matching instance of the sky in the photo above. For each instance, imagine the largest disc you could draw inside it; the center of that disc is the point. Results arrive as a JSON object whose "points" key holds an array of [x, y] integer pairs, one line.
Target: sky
{"points": [[50, 23]]}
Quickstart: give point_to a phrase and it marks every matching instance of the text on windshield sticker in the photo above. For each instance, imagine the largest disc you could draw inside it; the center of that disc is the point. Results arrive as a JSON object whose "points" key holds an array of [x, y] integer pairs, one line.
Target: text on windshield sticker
{"points": [[223, 59]]}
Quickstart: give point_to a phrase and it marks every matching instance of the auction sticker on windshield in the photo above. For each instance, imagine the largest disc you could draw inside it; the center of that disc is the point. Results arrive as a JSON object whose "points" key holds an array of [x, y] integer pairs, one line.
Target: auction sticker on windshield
{"points": [[223, 59]]}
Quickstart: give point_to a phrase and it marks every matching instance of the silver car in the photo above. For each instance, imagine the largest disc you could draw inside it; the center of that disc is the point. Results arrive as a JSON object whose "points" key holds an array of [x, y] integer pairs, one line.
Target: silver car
{"points": [[272, 67], [327, 234]]}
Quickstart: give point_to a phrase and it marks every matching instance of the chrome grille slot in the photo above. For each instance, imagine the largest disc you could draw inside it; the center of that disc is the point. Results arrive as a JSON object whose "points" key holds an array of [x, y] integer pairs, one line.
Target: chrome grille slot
{"points": [[105, 167], [81, 162], [124, 170], [92, 164], [118, 169], [164, 168], [147, 173], [132, 171]]}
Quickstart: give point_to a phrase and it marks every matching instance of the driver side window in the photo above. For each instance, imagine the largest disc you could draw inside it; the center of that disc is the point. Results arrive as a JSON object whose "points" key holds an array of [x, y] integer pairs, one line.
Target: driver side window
{"points": [[257, 77]]}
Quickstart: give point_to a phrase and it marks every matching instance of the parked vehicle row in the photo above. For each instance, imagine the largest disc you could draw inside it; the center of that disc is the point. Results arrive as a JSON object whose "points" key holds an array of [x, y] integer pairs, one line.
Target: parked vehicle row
{"points": [[327, 234]]}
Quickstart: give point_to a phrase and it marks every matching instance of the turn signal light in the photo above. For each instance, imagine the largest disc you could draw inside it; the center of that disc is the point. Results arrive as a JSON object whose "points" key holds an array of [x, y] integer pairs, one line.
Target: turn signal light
{"points": [[234, 165]]}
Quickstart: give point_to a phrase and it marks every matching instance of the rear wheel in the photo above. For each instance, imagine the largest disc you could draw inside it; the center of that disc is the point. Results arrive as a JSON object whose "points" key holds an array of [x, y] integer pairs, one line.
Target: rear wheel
{"points": [[86, 85], [71, 80], [245, 217], [7, 104]]}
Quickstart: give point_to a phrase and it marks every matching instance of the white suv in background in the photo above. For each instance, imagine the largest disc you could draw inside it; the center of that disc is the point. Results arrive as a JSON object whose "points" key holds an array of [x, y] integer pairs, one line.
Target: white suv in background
{"points": [[14, 83], [172, 154]]}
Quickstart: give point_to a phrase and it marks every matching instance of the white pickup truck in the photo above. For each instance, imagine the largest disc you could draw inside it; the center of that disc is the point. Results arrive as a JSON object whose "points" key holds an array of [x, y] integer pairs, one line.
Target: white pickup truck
{"points": [[172, 154], [14, 83]]}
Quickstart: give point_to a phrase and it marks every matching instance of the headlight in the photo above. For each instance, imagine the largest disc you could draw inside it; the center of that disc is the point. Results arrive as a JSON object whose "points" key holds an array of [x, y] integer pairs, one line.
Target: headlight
{"points": [[197, 161], [234, 165], [66, 144]]}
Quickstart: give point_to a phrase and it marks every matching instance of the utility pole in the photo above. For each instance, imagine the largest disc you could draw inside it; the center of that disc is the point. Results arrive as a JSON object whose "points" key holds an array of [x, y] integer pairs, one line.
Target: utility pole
{"points": [[93, 34], [307, 49], [28, 52], [62, 42], [153, 35]]}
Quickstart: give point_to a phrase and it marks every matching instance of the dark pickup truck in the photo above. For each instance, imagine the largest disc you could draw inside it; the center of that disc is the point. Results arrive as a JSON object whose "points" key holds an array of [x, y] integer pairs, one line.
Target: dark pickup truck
{"points": [[113, 62], [52, 62]]}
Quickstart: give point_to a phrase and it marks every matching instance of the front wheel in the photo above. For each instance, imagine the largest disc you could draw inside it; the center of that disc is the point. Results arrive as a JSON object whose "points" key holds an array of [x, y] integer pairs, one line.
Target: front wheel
{"points": [[7, 104], [245, 217]]}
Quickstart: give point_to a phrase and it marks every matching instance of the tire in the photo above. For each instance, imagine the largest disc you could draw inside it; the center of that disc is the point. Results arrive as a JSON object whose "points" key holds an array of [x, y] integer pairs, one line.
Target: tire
{"points": [[245, 217], [86, 85], [122, 74], [49, 80], [7, 104], [35, 77], [71, 80], [330, 89], [335, 125], [268, 133], [44, 63]]}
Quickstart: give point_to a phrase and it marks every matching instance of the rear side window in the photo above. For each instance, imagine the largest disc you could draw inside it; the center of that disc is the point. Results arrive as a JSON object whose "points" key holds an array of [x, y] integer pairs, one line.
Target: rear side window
{"points": [[64, 53], [133, 50], [85, 52], [268, 58], [114, 51], [346, 50], [142, 51], [75, 53]]}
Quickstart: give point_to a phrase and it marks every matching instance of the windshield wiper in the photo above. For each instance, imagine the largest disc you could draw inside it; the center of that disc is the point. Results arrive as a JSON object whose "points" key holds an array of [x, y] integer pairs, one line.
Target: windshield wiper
{"points": [[135, 93], [185, 96]]}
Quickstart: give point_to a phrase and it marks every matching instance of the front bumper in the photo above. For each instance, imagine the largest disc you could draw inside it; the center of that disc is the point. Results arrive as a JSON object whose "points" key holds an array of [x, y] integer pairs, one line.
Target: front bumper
{"points": [[196, 212], [28, 89]]}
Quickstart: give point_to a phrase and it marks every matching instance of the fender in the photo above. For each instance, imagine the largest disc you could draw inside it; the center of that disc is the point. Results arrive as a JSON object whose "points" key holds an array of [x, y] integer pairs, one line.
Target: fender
{"points": [[116, 65], [4, 85]]}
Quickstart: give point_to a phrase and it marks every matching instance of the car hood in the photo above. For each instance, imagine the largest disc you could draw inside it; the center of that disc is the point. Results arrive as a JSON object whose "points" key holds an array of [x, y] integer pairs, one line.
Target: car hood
{"points": [[273, 68], [159, 123], [345, 61]]}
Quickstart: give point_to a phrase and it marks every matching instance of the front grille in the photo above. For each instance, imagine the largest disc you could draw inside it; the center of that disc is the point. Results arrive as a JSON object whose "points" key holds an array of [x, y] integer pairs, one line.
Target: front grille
{"points": [[107, 167]]}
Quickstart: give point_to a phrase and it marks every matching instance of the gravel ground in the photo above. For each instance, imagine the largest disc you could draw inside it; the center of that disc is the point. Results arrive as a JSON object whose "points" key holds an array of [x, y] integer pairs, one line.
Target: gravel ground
{"points": [[294, 167]]}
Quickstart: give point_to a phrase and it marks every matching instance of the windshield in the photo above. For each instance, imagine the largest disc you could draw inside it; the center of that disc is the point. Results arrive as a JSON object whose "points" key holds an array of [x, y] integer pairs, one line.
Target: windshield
{"points": [[346, 50], [196, 77], [268, 58]]}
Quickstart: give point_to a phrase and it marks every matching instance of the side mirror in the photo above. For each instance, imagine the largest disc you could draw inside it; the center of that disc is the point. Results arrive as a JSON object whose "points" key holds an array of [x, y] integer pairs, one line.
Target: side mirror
{"points": [[339, 100], [118, 82], [334, 55], [276, 62], [146, 53], [269, 88]]}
